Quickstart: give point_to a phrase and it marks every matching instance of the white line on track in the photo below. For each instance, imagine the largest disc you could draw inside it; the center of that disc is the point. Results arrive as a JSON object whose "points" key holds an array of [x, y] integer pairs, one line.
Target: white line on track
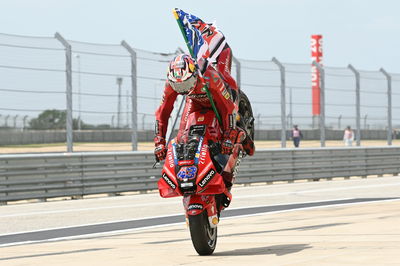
{"points": [[93, 208], [119, 232], [179, 201], [318, 190]]}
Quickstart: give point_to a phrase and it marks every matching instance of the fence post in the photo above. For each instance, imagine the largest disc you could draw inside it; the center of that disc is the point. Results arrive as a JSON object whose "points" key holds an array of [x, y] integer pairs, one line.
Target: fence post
{"points": [[134, 93], [68, 64], [283, 101], [15, 121], [322, 102], [143, 120], [389, 111], [6, 120], [290, 109], [365, 121], [238, 71], [358, 110], [24, 123]]}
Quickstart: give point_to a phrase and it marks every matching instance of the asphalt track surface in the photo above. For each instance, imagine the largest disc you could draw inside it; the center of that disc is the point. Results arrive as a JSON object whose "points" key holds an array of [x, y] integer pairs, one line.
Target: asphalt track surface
{"points": [[158, 221], [342, 222]]}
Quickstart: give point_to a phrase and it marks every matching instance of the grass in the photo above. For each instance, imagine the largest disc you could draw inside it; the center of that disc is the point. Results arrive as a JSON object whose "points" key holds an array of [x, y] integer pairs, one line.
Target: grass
{"points": [[146, 146], [41, 145]]}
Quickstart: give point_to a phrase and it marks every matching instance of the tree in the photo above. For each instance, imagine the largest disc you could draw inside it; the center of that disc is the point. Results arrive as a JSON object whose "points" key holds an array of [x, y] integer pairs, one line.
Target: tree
{"points": [[49, 119], [56, 119]]}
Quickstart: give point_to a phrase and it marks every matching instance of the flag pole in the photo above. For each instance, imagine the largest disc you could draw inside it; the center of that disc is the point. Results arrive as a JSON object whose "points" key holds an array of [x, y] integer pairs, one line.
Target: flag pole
{"points": [[181, 27]]}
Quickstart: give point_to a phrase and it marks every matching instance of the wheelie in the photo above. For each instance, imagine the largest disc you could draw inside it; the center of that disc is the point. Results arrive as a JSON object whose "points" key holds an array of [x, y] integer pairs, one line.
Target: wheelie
{"points": [[216, 130]]}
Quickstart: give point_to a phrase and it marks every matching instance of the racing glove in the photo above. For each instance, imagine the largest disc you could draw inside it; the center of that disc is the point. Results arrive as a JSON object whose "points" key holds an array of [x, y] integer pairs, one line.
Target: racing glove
{"points": [[160, 150], [228, 141]]}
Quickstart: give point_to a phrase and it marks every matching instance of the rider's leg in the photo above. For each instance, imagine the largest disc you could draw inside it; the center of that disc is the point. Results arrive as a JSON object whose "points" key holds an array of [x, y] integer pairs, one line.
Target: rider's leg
{"points": [[224, 65], [228, 179]]}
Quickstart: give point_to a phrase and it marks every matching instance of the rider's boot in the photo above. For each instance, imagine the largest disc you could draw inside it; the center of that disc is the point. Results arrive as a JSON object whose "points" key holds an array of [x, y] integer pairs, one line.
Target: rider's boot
{"points": [[248, 146], [227, 195], [225, 198]]}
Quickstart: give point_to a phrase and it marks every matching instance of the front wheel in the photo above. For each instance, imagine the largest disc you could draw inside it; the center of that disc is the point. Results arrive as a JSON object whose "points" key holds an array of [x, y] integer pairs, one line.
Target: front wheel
{"points": [[204, 238]]}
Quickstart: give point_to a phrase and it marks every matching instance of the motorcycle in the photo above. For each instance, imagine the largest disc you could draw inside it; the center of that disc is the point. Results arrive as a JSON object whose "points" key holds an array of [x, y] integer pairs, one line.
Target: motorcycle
{"points": [[194, 169]]}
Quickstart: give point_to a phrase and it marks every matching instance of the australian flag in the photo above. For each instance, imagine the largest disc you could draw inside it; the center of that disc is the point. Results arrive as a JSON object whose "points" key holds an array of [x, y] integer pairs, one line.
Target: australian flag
{"points": [[195, 41]]}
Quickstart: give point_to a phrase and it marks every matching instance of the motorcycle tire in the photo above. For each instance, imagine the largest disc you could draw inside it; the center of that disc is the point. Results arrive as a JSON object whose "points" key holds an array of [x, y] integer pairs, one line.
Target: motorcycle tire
{"points": [[204, 238], [246, 114]]}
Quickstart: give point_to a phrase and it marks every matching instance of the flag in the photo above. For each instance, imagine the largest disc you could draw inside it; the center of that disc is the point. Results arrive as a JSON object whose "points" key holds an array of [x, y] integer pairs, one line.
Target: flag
{"points": [[198, 35], [197, 46]]}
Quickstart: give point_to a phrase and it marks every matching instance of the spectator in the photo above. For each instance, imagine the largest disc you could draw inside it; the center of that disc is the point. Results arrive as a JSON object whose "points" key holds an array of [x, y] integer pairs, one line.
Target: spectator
{"points": [[296, 136], [348, 136]]}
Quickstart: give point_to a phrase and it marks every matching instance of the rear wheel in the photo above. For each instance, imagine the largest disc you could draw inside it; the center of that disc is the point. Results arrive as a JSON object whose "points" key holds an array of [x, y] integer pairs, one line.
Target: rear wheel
{"points": [[246, 115], [204, 238]]}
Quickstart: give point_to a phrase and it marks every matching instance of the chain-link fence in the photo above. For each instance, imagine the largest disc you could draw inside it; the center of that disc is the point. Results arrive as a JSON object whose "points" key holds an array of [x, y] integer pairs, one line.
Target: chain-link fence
{"points": [[49, 83], [32, 71]]}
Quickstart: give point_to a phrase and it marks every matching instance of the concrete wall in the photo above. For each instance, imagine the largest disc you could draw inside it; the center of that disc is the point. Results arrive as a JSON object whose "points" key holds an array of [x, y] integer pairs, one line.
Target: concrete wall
{"points": [[59, 136], [8, 137]]}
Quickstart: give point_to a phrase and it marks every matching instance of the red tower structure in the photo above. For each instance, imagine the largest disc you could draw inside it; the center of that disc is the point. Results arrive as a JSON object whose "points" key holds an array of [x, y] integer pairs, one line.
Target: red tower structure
{"points": [[316, 55]]}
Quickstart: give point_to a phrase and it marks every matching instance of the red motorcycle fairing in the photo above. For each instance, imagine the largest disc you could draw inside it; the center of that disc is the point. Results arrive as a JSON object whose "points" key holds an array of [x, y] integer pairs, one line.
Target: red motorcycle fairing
{"points": [[180, 175], [208, 180], [196, 204]]}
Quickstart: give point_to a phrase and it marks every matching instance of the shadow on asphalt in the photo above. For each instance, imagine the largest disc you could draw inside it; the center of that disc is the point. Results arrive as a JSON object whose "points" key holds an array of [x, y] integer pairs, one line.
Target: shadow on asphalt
{"points": [[302, 228]]}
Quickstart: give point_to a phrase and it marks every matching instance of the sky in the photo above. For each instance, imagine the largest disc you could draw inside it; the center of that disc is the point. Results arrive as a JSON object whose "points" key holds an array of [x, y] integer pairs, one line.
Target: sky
{"points": [[363, 33]]}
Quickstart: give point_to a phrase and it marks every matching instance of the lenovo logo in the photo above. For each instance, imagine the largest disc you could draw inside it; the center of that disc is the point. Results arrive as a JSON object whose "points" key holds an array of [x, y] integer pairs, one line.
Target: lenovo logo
{"points": [[169, 181], [195, 207], [207, 178]]}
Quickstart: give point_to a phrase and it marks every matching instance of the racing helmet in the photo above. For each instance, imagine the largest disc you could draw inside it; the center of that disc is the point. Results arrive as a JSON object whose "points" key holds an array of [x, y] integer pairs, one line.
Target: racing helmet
{"points": [[182, 74]]}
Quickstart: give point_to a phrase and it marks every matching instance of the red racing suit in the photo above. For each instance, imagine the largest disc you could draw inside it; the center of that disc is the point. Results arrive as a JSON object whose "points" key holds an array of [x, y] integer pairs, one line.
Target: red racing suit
{"points": [[218, 53], [197, 100]]}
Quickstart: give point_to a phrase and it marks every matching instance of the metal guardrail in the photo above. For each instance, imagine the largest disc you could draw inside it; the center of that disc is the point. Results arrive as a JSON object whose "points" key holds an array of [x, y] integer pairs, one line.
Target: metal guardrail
{"points": [[43, 176]]}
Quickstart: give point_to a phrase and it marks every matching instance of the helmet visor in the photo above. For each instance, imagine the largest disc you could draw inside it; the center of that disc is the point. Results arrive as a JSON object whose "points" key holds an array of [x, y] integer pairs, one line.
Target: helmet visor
{"points": [[184, 86]]}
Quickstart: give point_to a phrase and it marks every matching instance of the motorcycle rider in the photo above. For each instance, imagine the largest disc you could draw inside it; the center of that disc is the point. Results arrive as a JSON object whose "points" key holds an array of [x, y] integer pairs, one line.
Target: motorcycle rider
{"points": [[183, 78]]}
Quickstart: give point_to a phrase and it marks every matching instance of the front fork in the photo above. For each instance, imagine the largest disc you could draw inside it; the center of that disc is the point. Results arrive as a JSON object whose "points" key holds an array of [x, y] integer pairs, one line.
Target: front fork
{"points": [[196, 204]]}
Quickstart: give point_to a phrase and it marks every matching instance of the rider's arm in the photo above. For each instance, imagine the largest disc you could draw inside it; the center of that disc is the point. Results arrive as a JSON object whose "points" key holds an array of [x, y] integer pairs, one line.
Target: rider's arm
{"points": [[163, 112]]}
